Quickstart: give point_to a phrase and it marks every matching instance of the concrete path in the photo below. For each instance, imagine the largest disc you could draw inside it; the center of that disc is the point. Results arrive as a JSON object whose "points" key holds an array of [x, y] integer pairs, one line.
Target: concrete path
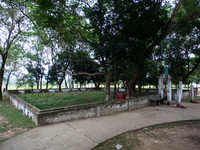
{"points": [[86, 134]]}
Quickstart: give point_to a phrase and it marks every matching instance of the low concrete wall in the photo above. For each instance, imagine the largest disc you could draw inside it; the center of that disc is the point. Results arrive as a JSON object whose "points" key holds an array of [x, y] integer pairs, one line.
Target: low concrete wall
{"points": [[47, 116], [27, 109], [186, 94]]}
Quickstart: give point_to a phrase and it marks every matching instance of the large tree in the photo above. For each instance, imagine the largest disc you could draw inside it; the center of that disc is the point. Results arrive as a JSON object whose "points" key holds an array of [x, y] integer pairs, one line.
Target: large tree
{"points": [[124, 32], [12, 24], [13, 63]]}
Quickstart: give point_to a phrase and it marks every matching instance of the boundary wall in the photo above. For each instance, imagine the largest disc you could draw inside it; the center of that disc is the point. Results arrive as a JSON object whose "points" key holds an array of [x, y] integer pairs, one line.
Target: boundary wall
{"points": [[48, 116]]}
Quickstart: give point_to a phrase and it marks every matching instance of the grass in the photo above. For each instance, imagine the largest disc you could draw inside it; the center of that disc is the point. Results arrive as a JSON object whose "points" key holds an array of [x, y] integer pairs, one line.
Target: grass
{"points": [[196, 98], [59, 99], [54, 100], [14, 117], [129, 140]]}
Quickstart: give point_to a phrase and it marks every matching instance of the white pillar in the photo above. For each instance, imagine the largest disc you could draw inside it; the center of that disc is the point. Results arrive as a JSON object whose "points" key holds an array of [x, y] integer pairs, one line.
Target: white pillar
{"points": [[179, 96], [181, 87], [191, 93], [160, 86], [169, 90]]}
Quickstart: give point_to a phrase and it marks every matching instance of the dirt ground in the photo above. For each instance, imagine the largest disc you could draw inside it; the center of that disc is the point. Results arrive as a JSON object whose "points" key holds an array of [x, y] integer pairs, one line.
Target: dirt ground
{"points": [[7, 129], [186, 137]]}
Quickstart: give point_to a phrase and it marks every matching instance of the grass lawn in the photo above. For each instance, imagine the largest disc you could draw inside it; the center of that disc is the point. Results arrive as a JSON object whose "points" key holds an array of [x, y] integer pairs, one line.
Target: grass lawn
{"points": [[59, 99], [13, 119]]}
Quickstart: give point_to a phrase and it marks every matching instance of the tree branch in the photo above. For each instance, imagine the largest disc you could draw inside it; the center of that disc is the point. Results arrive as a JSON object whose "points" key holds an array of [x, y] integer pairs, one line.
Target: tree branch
{"points": [[191, 71], [189, 17], [175, 11], [78, 56], [82, 73]]}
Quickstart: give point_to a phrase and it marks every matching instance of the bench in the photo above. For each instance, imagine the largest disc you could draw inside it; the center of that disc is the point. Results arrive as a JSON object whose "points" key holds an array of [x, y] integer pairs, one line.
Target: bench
{"points": [[156, 101]]}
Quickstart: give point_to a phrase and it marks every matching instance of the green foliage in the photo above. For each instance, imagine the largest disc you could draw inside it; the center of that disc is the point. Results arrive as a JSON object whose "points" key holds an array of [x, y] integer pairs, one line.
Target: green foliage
{"points": [[26, 80], [124, 31], [180, 51]]}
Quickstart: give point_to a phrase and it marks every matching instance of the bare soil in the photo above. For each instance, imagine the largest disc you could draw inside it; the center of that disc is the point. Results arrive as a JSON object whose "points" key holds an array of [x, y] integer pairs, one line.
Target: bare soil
{"points": [[4, 125], [186, 137]]}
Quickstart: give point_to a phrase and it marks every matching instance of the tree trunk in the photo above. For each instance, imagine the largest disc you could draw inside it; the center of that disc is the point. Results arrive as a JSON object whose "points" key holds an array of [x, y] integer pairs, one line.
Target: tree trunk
{"points": [[47, 84], [133, 89], [108, 80], [7, 82], [118, 87], [41, 83], [139, 86], [1, 78], [66, 84], [115, 82], [60, 86], [37, 82], [130, 84]]}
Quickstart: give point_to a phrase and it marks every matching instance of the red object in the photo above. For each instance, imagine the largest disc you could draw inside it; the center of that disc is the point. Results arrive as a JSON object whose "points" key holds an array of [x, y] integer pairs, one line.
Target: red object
{"points": [[180, 106], [165, 94], [192, 101], [196, 90], [169, 103], [120, 96]]}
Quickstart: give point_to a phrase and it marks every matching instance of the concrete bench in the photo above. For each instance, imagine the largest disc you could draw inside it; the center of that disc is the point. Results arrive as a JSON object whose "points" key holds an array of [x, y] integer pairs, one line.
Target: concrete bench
{"points": [[156, 101]]}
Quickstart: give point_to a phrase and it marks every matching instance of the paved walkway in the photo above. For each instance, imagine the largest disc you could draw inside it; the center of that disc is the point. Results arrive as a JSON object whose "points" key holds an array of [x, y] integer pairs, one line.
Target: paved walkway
{"points": [[86, 134]]}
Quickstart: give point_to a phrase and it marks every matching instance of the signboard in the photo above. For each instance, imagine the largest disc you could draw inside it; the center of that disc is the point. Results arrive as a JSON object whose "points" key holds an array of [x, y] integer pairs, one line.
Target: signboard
{"points": [[166, 70]]}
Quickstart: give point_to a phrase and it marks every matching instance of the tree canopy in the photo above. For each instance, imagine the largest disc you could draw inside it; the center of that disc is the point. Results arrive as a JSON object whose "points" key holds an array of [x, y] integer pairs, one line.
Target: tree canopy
{"points": [[117, 39]]}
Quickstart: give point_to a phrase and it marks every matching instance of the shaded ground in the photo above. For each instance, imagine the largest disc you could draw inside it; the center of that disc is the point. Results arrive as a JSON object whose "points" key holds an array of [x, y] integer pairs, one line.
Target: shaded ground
{"points": [[177, 136]]}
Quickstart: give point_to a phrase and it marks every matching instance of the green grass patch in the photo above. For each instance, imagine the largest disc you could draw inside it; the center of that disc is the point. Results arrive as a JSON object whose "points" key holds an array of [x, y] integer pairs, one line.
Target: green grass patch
{"points": [[60, 99], [196, 98], [14, 117]]}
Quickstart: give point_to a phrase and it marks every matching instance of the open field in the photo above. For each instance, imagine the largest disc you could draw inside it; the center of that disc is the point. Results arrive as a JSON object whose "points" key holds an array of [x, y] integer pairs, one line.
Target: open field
{"points": [[60, 99]]}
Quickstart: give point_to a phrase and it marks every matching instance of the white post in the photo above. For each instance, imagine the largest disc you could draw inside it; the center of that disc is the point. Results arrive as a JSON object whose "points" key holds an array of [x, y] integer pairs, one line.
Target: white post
{"points": [[181, 89], [169, 91], [179, 96], [160, 86], [191, 93]]}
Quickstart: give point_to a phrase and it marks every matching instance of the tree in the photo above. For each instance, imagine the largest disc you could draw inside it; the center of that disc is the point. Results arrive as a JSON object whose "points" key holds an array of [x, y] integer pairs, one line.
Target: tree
{"points": [[131, 29], [13, 63], [36, 60], [180, 49], [12, 24], [26, 80]]}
